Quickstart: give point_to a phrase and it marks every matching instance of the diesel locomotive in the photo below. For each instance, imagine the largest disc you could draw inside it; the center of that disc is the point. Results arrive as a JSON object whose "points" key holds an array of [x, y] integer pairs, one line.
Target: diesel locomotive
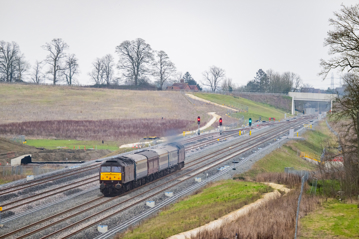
{"points": [[121, 174]]}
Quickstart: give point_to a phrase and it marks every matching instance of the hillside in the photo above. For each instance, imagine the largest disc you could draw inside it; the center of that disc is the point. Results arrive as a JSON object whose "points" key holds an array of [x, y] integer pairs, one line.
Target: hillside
{"points": [[255, 109], [282, 102], [22, 102]]}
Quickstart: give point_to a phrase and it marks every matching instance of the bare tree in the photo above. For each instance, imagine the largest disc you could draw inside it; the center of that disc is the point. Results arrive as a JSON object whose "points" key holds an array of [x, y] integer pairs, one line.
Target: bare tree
{"points": [[97, 74], [56, 54], [178, 76], [36, 75], [346, 117], [71, 68], [343, 41], [135, 56], [9, 53], [163, 68], [107, 67], [306, 88], [213, 77], [227, 85], [21, 66], [297, 82]]}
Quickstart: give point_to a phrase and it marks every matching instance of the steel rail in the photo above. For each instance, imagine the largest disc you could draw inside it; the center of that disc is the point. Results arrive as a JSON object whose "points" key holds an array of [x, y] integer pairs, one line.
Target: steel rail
{"points": [[253, 138], [141, 200], [47, 178], [146, 198], [90, 180]]}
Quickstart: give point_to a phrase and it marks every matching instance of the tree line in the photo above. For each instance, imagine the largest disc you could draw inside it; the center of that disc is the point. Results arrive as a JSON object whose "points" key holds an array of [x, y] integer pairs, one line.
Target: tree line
{"points": [[138, 64]]}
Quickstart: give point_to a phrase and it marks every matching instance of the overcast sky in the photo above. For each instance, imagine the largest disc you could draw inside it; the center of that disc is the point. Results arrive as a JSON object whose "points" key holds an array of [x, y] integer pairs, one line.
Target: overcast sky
{"points": [[238, 36]]}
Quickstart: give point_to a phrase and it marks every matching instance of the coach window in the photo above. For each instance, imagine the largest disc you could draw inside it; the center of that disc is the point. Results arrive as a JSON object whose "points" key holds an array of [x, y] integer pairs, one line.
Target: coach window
{"points": [[106, 169], [116, 169]]}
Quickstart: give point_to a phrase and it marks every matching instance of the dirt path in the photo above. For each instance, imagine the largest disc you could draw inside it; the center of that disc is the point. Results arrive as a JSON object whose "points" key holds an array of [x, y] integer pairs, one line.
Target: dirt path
{"points": [[236, 214], [210, 102], [215, 118]]}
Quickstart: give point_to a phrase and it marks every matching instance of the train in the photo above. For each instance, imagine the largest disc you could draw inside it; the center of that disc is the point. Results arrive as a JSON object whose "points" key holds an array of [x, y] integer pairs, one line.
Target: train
{"points": [[123, 173]]}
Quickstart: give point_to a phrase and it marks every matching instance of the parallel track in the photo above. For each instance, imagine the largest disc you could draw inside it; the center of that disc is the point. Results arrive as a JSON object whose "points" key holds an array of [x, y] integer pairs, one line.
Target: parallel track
{"points": [[190, 164]]}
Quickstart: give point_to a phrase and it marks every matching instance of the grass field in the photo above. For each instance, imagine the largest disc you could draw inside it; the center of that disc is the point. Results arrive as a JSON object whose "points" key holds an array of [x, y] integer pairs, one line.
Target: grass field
{"points": [[255, 109], [70, 144], [23, 102], [211, 203], [277, 160], [333, 220]]}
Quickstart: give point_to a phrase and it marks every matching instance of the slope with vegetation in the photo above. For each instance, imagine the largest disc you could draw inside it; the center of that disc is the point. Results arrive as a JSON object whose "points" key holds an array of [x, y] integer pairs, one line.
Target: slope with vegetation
{"points": [[288, 154], [255, 109], [282, 102], [209, 204], [64, 112]]}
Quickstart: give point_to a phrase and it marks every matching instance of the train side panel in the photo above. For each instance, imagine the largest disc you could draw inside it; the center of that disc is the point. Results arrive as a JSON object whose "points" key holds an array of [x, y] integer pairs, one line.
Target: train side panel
{"points": [[152, 160], [163, 158], [129, 169], [172, 155], [181, 152], [140, 165]]}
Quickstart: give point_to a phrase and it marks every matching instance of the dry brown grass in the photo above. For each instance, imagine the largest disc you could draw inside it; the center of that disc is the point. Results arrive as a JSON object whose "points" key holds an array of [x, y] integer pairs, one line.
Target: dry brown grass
{"points": [[21, 103], [10, 178], [275, 219], [289, 180]]}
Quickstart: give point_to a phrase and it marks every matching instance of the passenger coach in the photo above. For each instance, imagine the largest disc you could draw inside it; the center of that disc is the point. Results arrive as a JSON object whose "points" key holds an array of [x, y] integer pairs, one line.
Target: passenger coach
{"points": [[126, 172]]}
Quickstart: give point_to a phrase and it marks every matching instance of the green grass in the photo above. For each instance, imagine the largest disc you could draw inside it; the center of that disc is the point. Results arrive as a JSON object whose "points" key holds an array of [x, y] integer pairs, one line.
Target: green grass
{"points": [[277, 160], [255, 109], [54, 144], [287, 155], [316, 140], [213, 202], [333, 220]]}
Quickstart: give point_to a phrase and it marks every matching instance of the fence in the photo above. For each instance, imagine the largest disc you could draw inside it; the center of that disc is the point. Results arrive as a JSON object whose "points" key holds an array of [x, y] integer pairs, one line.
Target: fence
{"points": [[301, 173], [331, 129], [27, 170]]}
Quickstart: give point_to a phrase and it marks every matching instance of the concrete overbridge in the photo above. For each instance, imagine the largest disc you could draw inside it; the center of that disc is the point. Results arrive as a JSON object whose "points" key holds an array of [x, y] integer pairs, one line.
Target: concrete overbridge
{"points": [[317, 100]]}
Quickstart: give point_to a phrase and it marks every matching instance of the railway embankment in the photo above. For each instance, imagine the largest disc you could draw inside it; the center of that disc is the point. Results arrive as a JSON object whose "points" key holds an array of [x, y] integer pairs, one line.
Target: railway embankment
{"points": [[208, 162], [204, 206], [273, 157], [288, 153]]}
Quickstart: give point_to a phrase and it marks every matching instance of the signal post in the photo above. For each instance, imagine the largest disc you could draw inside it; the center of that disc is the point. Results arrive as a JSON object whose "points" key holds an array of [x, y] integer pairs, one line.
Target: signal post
{"points": [[250, 126], [198, 122], [220, 126]]}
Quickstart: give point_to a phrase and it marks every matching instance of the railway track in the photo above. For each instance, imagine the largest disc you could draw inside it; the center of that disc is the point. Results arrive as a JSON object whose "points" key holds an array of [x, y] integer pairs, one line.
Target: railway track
{"points": [[193, 172], [227, 134], [56, 191], [45, 180]]}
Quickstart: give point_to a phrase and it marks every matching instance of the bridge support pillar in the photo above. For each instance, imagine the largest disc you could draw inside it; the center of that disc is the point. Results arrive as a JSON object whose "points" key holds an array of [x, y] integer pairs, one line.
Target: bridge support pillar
{"points": [[293, 108]]}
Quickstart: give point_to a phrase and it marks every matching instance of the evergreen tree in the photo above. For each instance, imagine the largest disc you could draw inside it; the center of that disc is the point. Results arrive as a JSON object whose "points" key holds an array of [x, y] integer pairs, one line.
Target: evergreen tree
{"points": [[190, 81]]}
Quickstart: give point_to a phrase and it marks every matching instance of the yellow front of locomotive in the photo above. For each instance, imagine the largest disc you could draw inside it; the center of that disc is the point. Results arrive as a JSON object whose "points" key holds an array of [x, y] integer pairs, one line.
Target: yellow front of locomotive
{"points": [[110, 174], [110, 178]]}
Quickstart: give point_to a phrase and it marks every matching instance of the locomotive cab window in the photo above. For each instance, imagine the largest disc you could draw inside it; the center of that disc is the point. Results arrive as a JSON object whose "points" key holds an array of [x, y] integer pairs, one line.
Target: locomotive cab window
{"points": [[116, 169], [106, 169]]}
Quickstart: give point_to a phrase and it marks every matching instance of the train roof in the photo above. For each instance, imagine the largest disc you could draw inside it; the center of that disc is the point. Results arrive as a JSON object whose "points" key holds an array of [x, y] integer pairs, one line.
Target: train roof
{"points": [[122, 160], [136, 157], [160, 151], [177, 145], [148, 153], [169, 148]]}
